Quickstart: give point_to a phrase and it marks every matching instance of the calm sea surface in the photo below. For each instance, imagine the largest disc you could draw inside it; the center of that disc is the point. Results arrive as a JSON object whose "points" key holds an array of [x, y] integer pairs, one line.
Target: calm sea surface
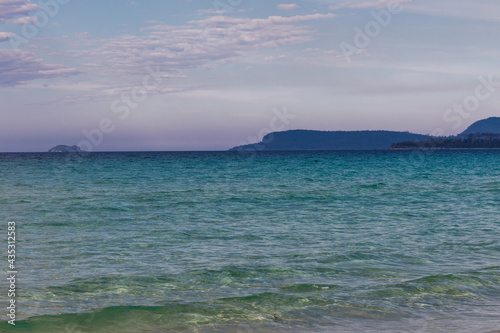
{"points": [[385, 241]]}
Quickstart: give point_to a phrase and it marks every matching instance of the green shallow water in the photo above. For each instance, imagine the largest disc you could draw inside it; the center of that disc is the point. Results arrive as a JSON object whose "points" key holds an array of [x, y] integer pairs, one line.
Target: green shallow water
{"points": [[268, 242]]}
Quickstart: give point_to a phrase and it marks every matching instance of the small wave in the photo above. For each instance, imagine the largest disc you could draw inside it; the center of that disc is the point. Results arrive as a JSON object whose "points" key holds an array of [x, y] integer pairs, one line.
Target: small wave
{"points": [[269, 300], [125, 319], [110, 285], [307, 288], [372, 186], [436, 287]]}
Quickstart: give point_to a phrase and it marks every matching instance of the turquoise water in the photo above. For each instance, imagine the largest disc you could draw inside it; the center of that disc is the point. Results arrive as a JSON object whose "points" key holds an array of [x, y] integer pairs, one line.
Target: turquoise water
{"points": [[385, 241]]}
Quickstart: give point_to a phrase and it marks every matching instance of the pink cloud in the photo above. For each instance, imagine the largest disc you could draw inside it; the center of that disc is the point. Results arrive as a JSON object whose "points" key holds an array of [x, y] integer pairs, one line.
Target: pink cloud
{"points": [[287, 6], [10, 10], [119, 61], [176, 48], [5, 36], [17, 67], [23, 20], [368, 4]]}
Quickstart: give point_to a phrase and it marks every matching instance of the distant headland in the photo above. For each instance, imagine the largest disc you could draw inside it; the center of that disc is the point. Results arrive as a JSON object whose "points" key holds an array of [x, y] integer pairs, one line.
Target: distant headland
{"points": [[324, 140], [65, 149], [483, 134]]}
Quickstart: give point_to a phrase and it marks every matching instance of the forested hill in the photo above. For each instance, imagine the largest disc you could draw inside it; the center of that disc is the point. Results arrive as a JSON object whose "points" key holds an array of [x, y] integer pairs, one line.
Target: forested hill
{"points": [[323, 140], [490, 125], [470, 141]]}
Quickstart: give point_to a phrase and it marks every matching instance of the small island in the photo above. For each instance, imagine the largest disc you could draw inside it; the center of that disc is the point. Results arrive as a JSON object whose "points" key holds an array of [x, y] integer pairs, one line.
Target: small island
{"points": [[65, 149]]}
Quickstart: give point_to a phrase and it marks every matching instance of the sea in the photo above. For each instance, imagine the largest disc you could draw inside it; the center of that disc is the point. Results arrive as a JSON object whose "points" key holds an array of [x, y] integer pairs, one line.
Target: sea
{"points": [[367, 241]]}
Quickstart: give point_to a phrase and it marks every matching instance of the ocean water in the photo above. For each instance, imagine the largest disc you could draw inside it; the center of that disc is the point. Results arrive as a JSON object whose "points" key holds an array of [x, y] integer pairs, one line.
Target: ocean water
{"points": [[382, 241]]}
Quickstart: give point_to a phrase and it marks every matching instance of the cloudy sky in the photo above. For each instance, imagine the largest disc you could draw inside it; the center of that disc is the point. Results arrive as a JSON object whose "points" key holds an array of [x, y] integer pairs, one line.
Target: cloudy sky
{"points": [[209, 75]]}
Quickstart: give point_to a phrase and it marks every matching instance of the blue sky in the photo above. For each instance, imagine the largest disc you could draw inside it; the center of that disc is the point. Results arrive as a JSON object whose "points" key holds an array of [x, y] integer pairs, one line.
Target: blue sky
{"points": [[208, 75]]}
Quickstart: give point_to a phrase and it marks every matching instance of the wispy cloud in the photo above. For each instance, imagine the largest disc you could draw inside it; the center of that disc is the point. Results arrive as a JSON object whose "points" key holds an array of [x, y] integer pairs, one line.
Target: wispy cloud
{"points": [[288, 6], [17, 11], [359, 4], [477, 10], [17, 67], [176, 48], [213, 11], [23, 20], [5, 36], [249, 23], [274, 58]]}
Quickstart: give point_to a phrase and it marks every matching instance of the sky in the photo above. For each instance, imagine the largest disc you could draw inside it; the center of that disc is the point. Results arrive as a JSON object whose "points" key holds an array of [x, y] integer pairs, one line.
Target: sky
{"points": [[151, 75]]}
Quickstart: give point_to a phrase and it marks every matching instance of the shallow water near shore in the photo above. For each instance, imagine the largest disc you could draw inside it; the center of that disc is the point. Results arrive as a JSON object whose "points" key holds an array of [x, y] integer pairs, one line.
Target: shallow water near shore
{"points": [[381, 241]]}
